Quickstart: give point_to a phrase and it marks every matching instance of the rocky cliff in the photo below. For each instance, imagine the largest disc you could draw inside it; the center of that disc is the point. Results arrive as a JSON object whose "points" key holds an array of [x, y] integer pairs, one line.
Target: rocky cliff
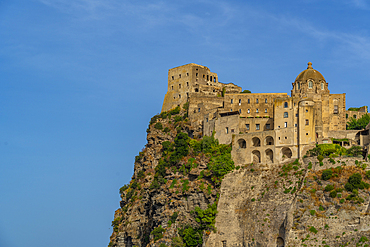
{"points": [[186, 191]]}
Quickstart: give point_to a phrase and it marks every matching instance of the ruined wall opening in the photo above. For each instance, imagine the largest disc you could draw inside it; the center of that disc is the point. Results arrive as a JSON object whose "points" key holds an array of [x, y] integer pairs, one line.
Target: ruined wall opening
{"points": [[287, 153], [269, 156], [280, 242], [269, 140], [242, 143], [256, 156], [256, 142]]}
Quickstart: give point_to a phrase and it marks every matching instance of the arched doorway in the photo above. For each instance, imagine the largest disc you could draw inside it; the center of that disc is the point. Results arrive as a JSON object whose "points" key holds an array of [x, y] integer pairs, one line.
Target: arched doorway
{"points": [[269, 140], [256, 156], [286, 153], [242, 143], [269, 156], [256, 142], [280, 242]]}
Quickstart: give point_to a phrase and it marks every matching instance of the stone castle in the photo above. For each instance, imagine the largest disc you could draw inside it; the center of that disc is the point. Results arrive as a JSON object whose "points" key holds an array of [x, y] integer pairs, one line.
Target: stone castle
{"points": [[264, 127]]}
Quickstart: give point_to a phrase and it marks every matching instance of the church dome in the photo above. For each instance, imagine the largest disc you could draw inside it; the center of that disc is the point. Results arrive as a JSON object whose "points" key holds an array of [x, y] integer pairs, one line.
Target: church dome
{"points": [[310, 73]]}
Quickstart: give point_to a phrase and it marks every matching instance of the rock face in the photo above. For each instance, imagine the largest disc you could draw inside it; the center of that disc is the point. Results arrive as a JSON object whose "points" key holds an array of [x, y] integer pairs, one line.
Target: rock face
{"points": [[288, 204], [258, 209]]}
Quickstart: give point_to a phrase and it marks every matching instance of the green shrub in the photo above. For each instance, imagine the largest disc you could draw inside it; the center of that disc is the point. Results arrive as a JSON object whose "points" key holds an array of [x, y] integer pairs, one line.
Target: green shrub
{"points": [[332, 161], [177, 242], [141, 174], [312, 212], [186, 106], [354, 151], [175, 110], [320, 158], [178, 119], [367, 174], [166, 130], [348, 187], [327, 174], [157, 233], [321, 208], [309, 166], [341, 201], [158, 126], [313, 229], [333, 194], [123, 188], [174, 217], [329, 187], [363, 239], [321, 163], [192, 237], [206, 218]]}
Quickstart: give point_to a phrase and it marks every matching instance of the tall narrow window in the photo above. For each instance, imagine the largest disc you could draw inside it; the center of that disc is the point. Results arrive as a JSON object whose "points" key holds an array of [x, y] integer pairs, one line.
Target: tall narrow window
{"points": [[265, 110], [336, 109], [298, 85], [249, 111], [285, 104], [240, 110], [249, 101], [257, 126], [256, 110], [267, 126], [322, 86], [247, 126], [187, 84], [179, 86], [257, 101], [286, 124], [179, 75], [307, 122], [227, 130], [231, 101], [310, 84], [240, 101], [265, 100], [285, 115]]}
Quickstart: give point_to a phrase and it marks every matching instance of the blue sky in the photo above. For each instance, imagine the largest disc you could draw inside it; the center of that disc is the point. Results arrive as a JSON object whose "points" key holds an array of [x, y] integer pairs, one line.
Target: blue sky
{"points": [[80, 79]]}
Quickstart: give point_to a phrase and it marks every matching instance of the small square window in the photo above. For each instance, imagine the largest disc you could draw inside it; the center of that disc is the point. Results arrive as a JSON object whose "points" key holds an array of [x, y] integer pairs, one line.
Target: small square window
{"points": [[306, 134], [286, 138], [295, 125], [187, 74], [279, 137], [307, 122], [232, 130], [296, 115], [173, 78], [257, 126]]}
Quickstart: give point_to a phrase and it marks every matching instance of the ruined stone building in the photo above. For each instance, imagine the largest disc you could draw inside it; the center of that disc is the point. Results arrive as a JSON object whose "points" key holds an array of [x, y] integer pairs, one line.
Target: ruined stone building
{"points": [[264, 127]]}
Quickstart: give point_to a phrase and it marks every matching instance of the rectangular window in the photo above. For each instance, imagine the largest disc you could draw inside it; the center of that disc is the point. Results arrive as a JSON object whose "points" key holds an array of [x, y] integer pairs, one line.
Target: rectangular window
{"points": [[249, 101], [285, 114], [173, 78], [198, 109], [204, 76], [179, 75], [296, 115], [187, 74], [265, 100], [267, 126], [257, 126], [307, 122], [207, 120], [295, 125], [249, 111], [265, 110], [247, 126], [286, 124], [196, 74], [232, 130], [256, 110], [336, 109], [240, 110], [179, 86], [240, 101], [231, 101], [257, 101], [227, 130]]}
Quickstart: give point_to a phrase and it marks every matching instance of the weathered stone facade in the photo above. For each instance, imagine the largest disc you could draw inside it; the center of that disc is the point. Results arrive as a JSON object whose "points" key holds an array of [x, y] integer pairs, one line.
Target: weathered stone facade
{"points": [[295, 124]]}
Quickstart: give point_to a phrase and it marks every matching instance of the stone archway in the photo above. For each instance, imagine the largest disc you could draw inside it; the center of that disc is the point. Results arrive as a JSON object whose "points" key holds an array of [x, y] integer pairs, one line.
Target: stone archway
{"points": [[269, 156], [242, 143], [256, 157], [286, 153], [269, 140], [280, 242], [256, 142]]}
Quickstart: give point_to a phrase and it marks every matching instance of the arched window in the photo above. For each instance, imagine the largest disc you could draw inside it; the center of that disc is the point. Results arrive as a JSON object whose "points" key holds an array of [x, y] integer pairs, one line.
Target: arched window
{"points": [[285, 104], [285, 115], [298, 85], [322, 86], [310, 84]]}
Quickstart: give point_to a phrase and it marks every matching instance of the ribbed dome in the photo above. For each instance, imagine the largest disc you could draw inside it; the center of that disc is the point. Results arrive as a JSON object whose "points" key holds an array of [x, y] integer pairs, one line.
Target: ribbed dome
{"points": [[310, 73]]}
